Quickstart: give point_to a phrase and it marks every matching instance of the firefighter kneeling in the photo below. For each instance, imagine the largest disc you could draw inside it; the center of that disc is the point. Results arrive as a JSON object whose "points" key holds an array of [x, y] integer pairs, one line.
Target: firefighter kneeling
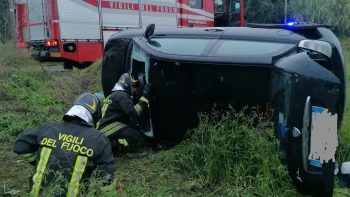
{"points": [[120, 115], [73, 148]]}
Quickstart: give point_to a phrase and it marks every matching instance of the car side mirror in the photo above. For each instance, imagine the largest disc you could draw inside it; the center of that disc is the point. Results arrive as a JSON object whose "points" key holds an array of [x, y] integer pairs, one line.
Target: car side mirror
{"points": [[149, 31]]}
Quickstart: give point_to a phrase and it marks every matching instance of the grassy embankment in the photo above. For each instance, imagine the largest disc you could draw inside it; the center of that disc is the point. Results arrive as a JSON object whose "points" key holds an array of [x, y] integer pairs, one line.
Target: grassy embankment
{"points": [[240, 163]]}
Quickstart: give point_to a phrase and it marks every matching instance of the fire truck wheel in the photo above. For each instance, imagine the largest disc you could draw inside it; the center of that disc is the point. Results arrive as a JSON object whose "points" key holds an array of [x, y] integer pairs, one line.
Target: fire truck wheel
{"points": [[83, 65], [68, 64]]}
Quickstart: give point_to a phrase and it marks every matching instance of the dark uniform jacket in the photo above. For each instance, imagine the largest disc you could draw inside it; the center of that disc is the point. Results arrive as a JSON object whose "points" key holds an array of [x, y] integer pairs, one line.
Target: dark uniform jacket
{"points": [[70, 150], [119, 111]]}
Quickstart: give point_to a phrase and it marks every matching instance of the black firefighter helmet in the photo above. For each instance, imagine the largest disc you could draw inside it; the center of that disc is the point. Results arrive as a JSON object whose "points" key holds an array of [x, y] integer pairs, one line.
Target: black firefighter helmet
{"points": [[126, 81], [87, 107]]}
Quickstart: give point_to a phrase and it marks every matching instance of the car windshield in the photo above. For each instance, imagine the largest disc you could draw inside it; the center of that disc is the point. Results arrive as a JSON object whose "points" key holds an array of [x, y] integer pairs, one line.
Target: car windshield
{"points": [[222, 48], [249, 48], [179, 46]]}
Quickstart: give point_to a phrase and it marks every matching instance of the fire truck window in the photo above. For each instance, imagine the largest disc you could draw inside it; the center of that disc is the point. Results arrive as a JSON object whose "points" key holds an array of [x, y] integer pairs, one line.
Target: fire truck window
{"points": [[235, 6], [219, 6], [197, 4]]}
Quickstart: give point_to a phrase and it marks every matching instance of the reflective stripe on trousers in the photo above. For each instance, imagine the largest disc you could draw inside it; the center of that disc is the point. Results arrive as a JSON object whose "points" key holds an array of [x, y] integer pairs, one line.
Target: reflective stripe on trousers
{"points": [[40, 170], [78, 172], [112, 128]]}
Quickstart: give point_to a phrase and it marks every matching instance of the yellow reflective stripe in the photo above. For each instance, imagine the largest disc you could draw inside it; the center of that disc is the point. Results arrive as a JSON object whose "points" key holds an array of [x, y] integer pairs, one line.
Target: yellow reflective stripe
{"points": [[29, 157], [40, 169], [144, 99], [123, 142], [78, 172], [112, 128], [104, 109], [138, 109], [98, 125]]}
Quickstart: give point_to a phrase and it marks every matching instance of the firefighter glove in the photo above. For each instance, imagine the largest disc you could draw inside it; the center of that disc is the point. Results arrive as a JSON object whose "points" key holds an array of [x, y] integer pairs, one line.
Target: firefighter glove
{"points": [[146, 91]]}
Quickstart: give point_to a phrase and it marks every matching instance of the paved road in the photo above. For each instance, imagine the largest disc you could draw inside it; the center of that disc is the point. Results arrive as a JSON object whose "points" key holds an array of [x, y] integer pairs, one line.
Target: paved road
{"points": [[58, 68]]}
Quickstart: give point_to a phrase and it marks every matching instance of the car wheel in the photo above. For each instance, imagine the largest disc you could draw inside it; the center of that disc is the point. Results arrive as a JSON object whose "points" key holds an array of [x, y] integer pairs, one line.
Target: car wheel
{"points": [[310, 178]]}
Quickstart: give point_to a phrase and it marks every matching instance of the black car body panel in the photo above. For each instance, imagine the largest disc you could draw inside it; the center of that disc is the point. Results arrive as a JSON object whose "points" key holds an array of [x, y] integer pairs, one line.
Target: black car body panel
{"points": [[294, 74], [249, 71]]}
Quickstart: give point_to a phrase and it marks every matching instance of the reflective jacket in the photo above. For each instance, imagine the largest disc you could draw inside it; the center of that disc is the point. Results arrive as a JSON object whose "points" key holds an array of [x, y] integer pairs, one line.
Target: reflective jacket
{"points": [[69, 150], [119, 111]]}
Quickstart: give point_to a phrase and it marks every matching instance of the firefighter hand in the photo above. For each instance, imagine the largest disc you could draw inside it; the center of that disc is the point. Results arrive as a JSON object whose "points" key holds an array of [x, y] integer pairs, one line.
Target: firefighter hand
{"points": [[146, 91]]}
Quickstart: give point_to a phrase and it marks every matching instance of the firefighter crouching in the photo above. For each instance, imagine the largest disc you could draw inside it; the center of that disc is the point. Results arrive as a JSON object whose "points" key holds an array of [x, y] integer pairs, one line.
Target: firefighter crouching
{"points": [[120, 115], [71, 149]]}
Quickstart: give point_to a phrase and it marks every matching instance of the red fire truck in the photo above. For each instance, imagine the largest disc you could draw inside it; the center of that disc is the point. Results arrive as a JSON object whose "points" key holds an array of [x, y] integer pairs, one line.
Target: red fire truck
{"points": [[73, 31]]}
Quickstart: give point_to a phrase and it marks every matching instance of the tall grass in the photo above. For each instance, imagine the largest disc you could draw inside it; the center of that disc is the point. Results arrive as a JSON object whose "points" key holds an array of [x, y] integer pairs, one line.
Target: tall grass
{"points": [[343, 153], [30, 95], [234, 154]]}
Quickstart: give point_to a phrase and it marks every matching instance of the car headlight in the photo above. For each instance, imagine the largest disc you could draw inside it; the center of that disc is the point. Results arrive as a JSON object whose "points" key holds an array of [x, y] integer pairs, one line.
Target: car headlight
{"points": [[315, 45]]}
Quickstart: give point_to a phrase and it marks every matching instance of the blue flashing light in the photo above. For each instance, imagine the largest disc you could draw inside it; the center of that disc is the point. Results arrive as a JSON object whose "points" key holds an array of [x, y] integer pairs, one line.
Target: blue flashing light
{"points": [[291, 23]]}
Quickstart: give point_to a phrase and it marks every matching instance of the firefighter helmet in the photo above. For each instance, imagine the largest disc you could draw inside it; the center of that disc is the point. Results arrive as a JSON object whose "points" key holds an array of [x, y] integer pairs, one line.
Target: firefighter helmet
{"points": [[87, 107], [126, 81]]}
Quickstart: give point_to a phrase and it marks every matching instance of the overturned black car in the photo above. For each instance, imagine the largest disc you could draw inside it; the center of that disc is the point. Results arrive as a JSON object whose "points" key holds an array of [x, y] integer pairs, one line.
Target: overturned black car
{"points": [[296, 73]]}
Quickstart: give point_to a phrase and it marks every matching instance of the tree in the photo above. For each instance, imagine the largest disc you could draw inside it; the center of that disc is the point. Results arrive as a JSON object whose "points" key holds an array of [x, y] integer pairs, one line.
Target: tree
{"points": [[6, 22], [335, 13]]}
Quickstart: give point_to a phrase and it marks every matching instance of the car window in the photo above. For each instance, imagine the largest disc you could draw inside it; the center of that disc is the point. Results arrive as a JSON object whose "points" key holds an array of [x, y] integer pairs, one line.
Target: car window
{"points": [[179, 46], [249, 48], [139, 62]]}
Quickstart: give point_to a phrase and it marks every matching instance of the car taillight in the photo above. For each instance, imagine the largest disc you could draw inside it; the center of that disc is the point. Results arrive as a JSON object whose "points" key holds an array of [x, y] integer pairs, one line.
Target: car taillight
{"points": [[51, 43], [315, 45]]}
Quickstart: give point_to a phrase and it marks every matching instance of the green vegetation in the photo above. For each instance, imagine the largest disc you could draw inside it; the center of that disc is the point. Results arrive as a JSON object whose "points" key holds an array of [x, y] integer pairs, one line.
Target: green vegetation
{"points": [[231, 154], [335, 13], [6, 21], [31, 95], [215, 161], [344, 148]]}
